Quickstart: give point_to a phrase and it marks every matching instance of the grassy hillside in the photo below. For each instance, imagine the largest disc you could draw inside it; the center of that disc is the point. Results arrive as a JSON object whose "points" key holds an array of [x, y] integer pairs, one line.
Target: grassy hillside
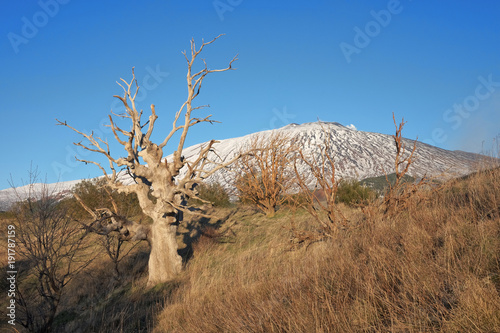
{"points": [[431, 267]]}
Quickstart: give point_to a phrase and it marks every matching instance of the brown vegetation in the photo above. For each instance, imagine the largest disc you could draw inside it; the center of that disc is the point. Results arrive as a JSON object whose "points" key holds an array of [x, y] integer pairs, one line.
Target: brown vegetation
{"points": [[266, 176], [322, 169], [51, 250], [399, 193], [433, 267]]}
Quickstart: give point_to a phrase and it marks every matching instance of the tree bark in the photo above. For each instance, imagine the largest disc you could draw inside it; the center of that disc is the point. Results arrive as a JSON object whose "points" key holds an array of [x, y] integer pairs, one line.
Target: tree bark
{"points": [[164, 260]]}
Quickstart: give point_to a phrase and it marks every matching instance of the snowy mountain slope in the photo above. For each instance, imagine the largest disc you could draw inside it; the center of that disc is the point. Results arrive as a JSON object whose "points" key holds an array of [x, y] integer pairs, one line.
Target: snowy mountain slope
{"points": [[357, 154], [11, 195], [35, 190]]}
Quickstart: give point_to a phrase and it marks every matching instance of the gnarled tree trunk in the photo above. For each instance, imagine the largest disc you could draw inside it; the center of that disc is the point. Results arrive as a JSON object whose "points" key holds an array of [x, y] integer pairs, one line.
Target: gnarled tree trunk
{"points": [[160, 185]]}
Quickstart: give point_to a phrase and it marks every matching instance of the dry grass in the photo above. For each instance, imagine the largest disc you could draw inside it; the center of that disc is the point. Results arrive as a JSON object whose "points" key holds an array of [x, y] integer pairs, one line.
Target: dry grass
{"points": [[432, 267]]}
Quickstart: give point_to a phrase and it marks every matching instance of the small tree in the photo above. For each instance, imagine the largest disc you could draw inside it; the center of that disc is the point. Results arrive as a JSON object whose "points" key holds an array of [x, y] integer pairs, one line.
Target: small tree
{"points": [[96, 194], [322, 171], [400, 191], [266, 176], [53, 247], [215, 193], [160, 186]]}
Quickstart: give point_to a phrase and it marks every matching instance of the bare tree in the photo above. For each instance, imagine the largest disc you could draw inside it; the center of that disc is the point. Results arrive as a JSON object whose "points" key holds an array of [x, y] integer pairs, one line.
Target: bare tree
{"points": [[400, 192], [54, 250], [160, 186], [266, 177], [318, 197]]}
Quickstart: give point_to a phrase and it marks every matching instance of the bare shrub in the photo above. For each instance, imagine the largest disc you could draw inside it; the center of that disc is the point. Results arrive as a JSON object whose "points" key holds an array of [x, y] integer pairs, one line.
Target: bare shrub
{"points": [[92, 195], [108, 223], [266, 177], [400, 192], [320, 198]]}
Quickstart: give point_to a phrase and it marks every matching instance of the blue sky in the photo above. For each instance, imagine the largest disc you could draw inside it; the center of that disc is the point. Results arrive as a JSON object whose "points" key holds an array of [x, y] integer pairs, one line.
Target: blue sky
{"points": [[435, 63]]}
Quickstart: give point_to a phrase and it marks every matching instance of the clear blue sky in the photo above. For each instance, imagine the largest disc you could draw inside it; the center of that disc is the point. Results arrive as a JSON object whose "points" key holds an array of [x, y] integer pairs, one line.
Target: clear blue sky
{"points": [[436, 63]]}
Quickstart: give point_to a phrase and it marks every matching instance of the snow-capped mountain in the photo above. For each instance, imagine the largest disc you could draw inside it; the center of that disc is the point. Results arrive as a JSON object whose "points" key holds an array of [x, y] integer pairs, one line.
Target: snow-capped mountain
{"points": [[357, 154]]}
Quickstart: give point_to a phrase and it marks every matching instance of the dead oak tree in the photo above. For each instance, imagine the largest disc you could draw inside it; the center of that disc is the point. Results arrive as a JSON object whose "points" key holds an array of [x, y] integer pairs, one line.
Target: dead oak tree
{"points": [[160, 186]]}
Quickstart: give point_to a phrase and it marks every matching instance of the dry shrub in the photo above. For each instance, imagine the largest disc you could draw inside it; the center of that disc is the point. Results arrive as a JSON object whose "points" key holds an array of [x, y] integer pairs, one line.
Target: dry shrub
{"points": [[400, 194], [320, 200], [266, 178], [48, 250]]}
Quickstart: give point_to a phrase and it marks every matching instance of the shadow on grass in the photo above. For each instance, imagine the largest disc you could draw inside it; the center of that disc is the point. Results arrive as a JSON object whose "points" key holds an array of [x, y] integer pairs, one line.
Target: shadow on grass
{"points": [[204, 229]]}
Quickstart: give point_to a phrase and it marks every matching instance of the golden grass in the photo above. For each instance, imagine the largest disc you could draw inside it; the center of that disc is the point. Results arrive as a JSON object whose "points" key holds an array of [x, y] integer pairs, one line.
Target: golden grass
{"points": [[433, 267]]}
